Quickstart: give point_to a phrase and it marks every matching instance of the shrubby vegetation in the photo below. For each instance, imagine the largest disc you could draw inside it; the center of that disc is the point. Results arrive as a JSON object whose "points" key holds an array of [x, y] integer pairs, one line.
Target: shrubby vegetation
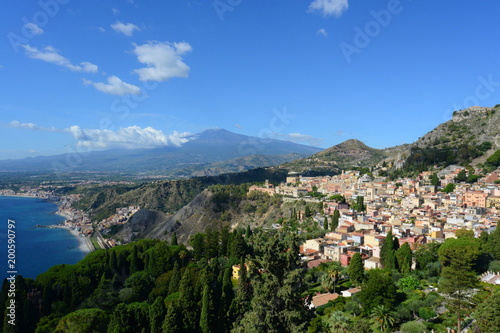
{"points": [[159, 286]]}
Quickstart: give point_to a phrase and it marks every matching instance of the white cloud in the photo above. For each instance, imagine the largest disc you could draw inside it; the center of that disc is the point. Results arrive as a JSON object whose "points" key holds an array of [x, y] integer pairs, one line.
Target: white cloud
{"points": [[50, 54], [101, 29], [33, 28], [115, 11], [129, 137], [115, 86], [322, 32], [163, 59], [329, 7], [298, 138], [31, 126], [125, 28]]}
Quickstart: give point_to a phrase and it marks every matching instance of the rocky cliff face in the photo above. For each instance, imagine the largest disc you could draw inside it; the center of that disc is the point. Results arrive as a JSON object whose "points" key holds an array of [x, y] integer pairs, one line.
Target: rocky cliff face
{"points": [[469, 127]]}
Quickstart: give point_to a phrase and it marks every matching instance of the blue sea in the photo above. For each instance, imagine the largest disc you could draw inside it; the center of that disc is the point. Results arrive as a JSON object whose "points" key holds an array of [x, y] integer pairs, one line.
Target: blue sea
{"points": [[37, 249]]}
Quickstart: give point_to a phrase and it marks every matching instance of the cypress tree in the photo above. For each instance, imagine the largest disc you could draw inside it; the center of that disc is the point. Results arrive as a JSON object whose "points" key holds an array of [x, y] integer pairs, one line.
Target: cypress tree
{"points": [[188, 302], [335, 219], [173, 240], [134, 260], [387, 253], [207, 320], [248, 232], [173, 319], [113, 261], [325, 223], [157, 314], [356, 269], [226, 300], [175, 280], [404, 258]]}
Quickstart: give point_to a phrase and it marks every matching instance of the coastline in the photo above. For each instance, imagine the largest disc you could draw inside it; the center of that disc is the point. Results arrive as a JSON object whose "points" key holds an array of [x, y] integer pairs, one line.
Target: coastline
{"points": [[84, 244]]}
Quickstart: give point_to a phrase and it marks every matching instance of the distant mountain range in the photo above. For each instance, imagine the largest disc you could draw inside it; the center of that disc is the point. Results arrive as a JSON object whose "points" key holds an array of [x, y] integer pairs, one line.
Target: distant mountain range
{"points": [[470, 137], [204, 154]]}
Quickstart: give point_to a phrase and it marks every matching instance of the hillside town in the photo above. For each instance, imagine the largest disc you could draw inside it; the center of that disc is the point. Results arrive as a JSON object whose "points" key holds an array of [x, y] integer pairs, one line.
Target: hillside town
{"points": [[413, 209]]}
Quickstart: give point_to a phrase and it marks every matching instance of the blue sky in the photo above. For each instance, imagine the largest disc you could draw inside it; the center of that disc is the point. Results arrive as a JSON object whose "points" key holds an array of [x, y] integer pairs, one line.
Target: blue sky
{"points": [[84, 75]]}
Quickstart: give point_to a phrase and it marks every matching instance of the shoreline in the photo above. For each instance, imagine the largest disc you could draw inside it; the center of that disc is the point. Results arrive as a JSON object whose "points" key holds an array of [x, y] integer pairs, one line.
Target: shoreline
{"points": [[84, 244]]}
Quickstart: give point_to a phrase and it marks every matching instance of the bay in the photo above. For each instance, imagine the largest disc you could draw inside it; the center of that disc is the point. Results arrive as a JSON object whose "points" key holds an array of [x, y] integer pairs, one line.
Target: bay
{"points": [[37, 249]]}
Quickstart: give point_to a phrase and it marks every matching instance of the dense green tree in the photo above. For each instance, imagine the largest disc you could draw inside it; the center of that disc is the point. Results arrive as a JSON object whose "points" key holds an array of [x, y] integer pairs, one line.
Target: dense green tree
{"points": [[173, 239], [356, 270], [461, 233], [449, 188], [458, 277], [360, 325], [237, 245], [404, 258], [198, 244], [335, 220], [413, 327], [248, 232], [188, 301], [134, 260], [227, 296], [317, 325], [113, 264], [84, 320], [435, 180], [138, 286], [379, 289], [325, 223], [493, 245], [175, 279], [359, 204], [388, 253], [157, 312], [338, 198], [173, 319], [277, 304], [487, 314], [408, 283], [241, 302], [461, 176], [130, 318], [207, 316], [426, 255]]}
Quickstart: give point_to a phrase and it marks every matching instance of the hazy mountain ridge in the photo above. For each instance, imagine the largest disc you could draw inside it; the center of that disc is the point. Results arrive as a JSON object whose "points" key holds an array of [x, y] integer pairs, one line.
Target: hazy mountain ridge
{"points": [[206, 150]]}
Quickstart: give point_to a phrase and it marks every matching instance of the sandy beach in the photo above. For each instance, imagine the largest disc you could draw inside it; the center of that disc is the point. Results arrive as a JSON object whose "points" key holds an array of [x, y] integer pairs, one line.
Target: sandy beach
{"points": [[84, 243]]}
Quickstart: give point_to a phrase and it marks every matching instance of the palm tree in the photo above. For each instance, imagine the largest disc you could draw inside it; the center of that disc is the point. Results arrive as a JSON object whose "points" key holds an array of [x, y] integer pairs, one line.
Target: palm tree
{"points": [[338, 322], [333, 270], [383, 316]]}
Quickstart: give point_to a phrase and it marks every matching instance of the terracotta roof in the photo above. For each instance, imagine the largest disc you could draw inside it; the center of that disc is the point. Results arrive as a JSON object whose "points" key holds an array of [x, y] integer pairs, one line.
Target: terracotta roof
{"points": [[316, 262], [322, 299]]}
